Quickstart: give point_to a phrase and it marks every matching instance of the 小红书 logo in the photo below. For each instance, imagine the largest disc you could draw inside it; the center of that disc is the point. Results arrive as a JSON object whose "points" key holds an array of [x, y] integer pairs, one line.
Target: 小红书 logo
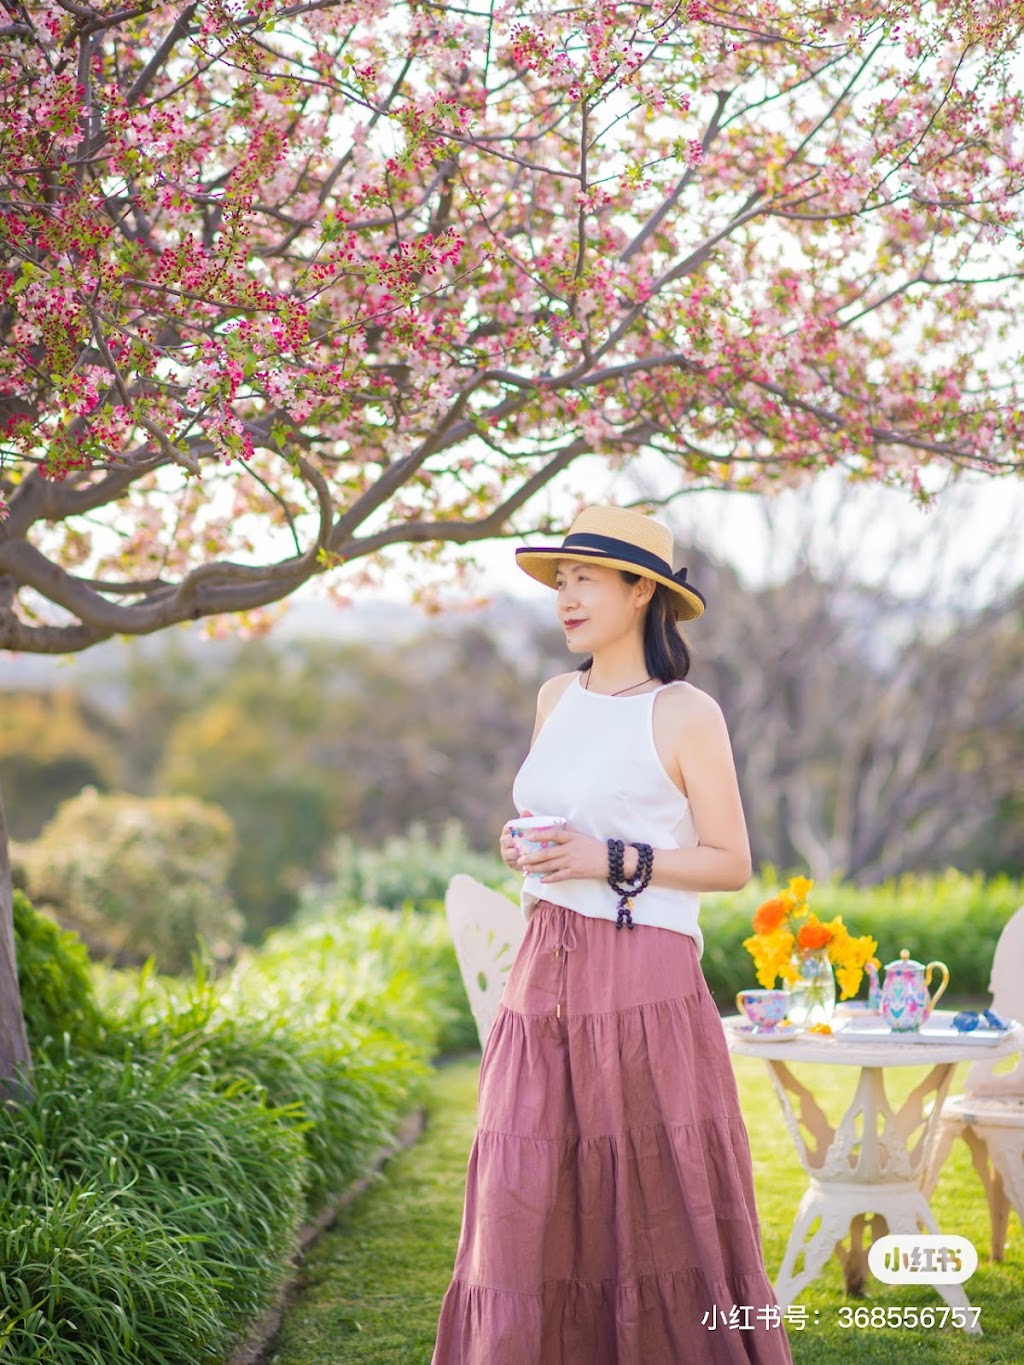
{"points": [[922, 1258]]}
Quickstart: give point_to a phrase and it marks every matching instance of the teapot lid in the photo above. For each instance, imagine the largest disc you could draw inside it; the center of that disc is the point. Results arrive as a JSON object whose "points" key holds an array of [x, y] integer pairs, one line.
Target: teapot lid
{"points": [[906, 961]]}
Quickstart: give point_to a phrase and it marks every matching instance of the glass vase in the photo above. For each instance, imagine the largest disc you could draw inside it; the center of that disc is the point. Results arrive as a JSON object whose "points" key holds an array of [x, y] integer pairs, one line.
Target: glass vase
{"points": [[812, 996]]}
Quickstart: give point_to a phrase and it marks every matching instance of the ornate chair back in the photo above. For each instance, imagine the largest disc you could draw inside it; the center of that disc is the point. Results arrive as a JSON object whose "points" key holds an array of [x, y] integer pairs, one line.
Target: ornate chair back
{"points": [[486, 929], [1007, 986]]}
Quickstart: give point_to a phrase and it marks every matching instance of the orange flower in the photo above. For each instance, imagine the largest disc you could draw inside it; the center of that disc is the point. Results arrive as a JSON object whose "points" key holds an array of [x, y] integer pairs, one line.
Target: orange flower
{"points": [[813, 934], [769, 916]]}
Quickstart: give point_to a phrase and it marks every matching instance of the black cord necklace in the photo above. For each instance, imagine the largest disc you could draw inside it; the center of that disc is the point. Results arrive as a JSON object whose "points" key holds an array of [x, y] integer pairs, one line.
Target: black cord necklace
{"points": [[586, 685]]}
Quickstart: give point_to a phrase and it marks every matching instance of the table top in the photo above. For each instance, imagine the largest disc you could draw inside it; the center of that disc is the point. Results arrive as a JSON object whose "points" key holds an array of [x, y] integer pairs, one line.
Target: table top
{"points": [[889, 1049]]}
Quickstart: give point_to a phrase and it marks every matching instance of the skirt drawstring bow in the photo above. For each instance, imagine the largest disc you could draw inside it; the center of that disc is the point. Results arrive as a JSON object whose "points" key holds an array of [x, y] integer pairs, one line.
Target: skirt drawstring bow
{"points": [[566, 943]]}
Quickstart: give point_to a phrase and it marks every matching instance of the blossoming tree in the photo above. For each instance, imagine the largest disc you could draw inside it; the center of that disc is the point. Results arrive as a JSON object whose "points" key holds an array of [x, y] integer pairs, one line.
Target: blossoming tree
{"points": [[285, 284]]}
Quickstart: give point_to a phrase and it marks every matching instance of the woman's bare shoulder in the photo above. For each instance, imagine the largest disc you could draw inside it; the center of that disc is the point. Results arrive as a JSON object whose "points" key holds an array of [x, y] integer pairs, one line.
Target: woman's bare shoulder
{"points": [[684, 705], [551, 691], [548, 697]]}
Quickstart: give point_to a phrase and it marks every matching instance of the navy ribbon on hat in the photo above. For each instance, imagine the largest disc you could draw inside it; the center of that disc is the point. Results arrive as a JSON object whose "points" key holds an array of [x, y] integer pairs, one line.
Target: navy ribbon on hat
{"points": [[625, 549]]}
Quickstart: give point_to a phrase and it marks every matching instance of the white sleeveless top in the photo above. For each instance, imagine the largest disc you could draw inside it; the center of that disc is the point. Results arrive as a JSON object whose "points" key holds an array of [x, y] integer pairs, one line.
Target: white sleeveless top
{"points": [[595, 763]]}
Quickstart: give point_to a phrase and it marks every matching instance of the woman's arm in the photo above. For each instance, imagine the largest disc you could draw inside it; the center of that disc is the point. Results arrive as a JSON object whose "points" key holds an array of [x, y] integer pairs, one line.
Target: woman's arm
{"points": [[701, 747]]}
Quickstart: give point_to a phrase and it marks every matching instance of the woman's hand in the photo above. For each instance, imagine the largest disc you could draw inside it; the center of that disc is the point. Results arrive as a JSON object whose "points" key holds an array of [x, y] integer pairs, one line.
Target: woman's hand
{"points": [[507, 845], [569, 855]]}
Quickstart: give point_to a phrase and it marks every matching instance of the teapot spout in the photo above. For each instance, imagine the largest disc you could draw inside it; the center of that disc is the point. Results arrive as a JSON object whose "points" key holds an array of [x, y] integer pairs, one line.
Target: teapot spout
{"points": [[875, 989]]}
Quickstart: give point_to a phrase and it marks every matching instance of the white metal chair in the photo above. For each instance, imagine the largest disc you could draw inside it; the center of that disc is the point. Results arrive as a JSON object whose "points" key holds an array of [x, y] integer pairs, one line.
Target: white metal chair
{"points": [[487, 929], [989, 1115]]}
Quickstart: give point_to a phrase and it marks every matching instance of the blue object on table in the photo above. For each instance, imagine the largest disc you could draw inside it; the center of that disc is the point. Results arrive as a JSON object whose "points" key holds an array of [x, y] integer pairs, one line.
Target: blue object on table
{"points": [[968, 1020]]}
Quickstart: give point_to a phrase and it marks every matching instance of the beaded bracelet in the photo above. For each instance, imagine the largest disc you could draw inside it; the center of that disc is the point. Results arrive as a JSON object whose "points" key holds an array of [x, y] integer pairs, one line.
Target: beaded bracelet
{"points": [[628, 889]]}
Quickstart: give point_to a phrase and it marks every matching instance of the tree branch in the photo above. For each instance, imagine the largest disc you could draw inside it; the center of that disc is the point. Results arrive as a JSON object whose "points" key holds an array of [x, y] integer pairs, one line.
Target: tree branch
{"points": [[668, 204], [178, 30]]}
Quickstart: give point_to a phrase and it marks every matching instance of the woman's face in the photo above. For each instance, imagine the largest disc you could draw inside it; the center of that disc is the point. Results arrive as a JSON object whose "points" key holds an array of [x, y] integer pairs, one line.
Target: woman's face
{"points": [[596, 605]]}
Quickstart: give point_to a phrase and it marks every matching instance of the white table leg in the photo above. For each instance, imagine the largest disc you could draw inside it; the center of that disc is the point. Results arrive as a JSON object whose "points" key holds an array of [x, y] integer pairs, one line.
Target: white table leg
{"points": [[816, 1249], [870, 1164], [910, 1218]]}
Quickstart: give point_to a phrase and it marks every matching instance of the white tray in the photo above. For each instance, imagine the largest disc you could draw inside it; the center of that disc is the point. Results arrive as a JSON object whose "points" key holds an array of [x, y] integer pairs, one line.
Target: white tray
{"points": [[930, 1033]]}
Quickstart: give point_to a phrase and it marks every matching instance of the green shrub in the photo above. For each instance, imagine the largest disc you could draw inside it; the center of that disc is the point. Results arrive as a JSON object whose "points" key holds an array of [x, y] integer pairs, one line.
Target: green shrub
{"points": [[180, 1129], [57, 994], [412, 949], [138, 877], [955, 917], [147, 1208], [317, 1039], [410, 869]]}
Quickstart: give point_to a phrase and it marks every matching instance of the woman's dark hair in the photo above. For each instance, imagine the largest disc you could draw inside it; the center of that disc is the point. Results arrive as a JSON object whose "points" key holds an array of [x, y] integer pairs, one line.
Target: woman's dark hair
{"points": [[665, 652]]}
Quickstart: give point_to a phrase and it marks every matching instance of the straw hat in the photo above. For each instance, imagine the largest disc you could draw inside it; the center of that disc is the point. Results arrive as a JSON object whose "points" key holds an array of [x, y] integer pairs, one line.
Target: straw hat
{"points": [[618, 539]]}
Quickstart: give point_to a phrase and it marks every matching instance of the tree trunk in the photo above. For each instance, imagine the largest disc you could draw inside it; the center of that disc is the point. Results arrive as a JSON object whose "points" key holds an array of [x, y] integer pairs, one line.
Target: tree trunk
{"points": [[14, 1053]]}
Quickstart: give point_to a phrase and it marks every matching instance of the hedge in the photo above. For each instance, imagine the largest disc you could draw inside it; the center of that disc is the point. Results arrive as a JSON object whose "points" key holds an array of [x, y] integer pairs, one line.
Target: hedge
{"points": [[178, 1133]]}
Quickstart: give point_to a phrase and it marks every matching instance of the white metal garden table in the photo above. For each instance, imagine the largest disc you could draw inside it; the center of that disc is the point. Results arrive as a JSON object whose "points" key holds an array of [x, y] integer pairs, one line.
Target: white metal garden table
{"points": [[866, 1169]]}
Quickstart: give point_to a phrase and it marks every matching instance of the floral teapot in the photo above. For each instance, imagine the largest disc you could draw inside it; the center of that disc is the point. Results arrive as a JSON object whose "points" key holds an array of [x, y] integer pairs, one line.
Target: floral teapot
{"points": [[904, 1001]]}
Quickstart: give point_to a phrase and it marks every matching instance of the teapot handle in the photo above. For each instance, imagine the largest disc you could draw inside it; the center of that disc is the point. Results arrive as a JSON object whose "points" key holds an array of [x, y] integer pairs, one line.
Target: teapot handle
{"points": [[933, 1000]]}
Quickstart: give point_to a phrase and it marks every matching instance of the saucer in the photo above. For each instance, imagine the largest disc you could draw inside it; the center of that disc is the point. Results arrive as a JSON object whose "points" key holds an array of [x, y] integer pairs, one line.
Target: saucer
{"points": [[780, 1034]]}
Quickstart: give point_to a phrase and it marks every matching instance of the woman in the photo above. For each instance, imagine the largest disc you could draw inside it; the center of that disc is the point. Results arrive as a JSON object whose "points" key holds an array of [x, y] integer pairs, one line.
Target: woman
{"points": [[609, 1215]]}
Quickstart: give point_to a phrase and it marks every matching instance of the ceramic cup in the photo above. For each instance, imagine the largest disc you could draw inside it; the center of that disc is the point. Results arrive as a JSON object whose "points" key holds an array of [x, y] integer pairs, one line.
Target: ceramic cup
{"points": [[764, 1009], [526, 831]]}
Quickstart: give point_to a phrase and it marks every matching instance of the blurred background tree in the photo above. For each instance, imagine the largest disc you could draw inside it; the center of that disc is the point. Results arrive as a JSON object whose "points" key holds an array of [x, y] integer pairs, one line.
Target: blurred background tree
{"points": [[136, 877], [250, 746], [52, 744], [877, 731]]}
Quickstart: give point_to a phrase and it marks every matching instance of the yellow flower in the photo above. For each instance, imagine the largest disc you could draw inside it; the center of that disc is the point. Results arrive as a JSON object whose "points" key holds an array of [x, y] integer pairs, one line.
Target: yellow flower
{"points": [[849, 956], [785, 924], [800, 888], [771, 954]]}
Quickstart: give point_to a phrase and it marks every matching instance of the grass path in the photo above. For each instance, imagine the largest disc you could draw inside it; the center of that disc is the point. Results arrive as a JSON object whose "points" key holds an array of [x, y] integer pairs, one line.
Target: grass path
{"points": [[372, 1287]]}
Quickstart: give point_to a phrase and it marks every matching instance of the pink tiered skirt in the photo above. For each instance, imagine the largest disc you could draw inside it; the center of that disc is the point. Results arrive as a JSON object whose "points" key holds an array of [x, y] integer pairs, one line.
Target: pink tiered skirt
{"points": [[609, 1215]]}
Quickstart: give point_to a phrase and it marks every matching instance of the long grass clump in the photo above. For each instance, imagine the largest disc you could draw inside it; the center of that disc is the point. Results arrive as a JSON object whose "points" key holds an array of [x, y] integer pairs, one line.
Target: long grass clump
{"points": [[147, 1209], [178, 1132], [410, 949]]}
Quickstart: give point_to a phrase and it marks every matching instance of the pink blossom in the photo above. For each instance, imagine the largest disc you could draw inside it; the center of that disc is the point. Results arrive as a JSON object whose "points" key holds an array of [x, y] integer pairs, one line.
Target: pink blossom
{"points": [[283, 259]]}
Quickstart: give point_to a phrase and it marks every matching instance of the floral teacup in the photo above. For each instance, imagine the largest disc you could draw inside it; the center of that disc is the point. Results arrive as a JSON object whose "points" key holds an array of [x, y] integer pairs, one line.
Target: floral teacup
{"points": [[526, 832], [764, 1009]]}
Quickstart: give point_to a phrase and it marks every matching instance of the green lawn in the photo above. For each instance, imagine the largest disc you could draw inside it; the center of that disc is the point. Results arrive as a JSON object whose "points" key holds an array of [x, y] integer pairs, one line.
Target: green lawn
{"points": [[372, 1287]]}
